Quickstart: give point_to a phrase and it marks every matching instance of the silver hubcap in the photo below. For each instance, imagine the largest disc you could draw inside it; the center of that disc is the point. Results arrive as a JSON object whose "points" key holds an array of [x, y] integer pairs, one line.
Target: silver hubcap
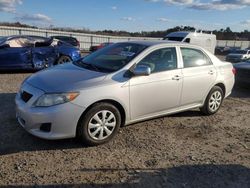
{"points": [[101, 125], [63, 60], [215, 101]]}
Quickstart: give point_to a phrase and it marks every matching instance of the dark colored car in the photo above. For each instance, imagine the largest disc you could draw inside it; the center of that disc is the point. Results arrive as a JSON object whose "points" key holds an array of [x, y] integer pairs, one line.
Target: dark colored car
{"points": [[238, 56], [243, 73], [220, 50], [34, 52], [71, 40], [102, 45]]}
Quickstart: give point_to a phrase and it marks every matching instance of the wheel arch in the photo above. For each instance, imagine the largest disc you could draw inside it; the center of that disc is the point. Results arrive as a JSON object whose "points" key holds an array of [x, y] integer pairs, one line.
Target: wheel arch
{"points": [[219, 84], [60, 55], [222, 86], [110, 101]]}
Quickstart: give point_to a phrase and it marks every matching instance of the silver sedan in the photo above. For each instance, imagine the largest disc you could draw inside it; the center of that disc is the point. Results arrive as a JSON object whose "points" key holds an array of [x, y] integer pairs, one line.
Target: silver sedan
{"points": [[121, 84]]}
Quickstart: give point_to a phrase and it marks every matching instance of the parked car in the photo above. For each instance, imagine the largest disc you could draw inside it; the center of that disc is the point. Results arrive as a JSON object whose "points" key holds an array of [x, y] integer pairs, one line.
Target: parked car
{"points": [[121, 84], [225, 50], [102, 45], [238, 56], [34, 52], [219, 50], [71, 40], [243, 73]]}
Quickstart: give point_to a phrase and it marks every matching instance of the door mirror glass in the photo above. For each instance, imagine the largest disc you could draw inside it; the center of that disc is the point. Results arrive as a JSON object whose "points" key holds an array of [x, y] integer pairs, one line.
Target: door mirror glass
{"points": [[142, 70]]}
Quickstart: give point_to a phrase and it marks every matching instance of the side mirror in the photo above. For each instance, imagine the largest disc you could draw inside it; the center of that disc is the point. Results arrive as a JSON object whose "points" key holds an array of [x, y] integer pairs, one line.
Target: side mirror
{"points": [[142, 70], [4, 46]]}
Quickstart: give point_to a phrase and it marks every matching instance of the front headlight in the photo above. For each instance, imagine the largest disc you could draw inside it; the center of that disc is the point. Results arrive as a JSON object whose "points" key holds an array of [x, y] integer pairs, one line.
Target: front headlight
{"points": [[47, 100]]}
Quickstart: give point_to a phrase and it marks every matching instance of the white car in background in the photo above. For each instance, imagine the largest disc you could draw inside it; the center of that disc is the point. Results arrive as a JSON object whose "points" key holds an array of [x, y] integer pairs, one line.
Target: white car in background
{"points": [[204, 40], [121, 84]]}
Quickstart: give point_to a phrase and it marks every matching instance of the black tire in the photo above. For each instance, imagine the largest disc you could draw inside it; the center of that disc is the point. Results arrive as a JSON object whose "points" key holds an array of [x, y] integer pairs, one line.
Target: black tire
{"points": [[206, 109], [63, 59], [83, 132]]}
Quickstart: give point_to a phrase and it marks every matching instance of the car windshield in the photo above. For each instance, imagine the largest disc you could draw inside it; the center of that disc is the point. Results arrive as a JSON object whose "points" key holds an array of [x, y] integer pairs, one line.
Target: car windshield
{"points": [[111, 58], [2, 39]]}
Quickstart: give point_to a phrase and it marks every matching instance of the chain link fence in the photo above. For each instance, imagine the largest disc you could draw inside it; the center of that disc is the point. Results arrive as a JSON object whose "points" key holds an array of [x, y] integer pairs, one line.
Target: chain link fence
{"points": [[87, 40]]}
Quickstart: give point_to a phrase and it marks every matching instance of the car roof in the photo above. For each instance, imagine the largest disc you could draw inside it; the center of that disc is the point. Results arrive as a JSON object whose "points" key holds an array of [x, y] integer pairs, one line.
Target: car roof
{"points": [[17, 36], [157, 42], [62, 36]]}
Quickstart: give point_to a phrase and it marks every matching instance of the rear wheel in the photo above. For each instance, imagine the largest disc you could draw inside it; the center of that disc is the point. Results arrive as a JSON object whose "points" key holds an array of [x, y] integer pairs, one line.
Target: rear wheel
{"points": [[63, 59], [100, 124], [213, 101]]}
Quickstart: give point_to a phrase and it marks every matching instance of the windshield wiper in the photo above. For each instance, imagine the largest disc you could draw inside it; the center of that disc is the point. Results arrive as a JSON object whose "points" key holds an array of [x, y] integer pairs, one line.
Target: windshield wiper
{"points": [[89, 65], [93, 67]]}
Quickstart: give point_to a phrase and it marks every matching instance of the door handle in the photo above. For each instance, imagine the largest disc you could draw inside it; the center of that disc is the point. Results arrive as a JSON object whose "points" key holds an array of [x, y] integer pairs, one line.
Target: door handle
{"points": [[211, 72], [176, 77]]}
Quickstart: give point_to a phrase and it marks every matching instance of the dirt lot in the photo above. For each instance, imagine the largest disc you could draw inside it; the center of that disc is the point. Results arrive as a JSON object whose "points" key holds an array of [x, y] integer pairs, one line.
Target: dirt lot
{"points": [[183, 150]]}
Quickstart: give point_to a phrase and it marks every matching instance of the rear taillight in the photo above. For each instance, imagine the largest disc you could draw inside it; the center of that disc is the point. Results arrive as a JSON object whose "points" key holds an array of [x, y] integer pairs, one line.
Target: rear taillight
{"points": [[234, 71]]}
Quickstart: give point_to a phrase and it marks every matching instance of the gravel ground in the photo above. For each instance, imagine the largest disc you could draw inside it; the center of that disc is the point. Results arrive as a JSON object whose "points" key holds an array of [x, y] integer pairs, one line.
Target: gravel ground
{"points": [[183, 150]]}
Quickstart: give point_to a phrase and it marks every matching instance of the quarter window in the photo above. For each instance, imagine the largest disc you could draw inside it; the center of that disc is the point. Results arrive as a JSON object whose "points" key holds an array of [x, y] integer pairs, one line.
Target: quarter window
{"points": [[194, 58], [161, 60]]}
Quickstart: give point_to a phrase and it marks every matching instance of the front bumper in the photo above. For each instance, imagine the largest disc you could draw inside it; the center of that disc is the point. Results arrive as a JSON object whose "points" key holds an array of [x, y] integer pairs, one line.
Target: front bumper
{"points": [[62, 118]]}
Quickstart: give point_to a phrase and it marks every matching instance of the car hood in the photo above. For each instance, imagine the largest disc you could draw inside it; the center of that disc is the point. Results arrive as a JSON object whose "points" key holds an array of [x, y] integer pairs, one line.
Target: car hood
{"points": [[65, 78], [243, 65]]}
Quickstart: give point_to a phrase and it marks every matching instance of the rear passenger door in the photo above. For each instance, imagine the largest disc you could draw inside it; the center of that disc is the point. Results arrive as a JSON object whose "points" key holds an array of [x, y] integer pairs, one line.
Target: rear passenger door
{"points": [[199, 74], [43, 53]]}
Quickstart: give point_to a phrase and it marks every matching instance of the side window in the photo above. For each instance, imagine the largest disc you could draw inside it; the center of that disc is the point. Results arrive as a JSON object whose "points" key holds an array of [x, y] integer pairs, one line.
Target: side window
{"points": [[161, 60], [187, 40], [194, 58]]}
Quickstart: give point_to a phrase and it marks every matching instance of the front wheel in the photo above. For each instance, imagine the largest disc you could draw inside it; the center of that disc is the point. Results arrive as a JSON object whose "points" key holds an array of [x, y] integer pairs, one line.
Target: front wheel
{"points": [[213, 101], [63, 59], [99, 125]]}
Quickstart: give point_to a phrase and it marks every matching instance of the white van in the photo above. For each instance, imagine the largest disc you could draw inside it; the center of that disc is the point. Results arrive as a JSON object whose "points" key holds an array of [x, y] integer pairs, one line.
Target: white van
{"points": [[207, 41]]}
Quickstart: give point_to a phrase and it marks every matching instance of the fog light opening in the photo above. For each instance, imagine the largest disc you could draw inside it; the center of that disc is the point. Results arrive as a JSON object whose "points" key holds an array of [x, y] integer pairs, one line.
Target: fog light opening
{"points": [[45, 127]]}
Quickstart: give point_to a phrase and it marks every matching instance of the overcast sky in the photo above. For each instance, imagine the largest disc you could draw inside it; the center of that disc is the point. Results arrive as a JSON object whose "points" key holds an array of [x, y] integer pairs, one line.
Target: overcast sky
{"points": [[129, 15]]}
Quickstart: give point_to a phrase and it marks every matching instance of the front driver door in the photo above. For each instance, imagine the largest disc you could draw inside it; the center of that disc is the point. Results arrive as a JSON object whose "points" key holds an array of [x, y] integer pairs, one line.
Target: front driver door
{"points": [[161, 90], [15, 57]]}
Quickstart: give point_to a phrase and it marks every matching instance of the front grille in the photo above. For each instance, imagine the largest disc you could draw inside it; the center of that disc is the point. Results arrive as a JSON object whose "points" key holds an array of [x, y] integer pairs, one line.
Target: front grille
{"points": [[25, 96]]}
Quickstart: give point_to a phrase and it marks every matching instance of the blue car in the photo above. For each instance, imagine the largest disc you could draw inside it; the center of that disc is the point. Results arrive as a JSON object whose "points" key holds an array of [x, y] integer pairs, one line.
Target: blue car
{"points": [[34, 52]]}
